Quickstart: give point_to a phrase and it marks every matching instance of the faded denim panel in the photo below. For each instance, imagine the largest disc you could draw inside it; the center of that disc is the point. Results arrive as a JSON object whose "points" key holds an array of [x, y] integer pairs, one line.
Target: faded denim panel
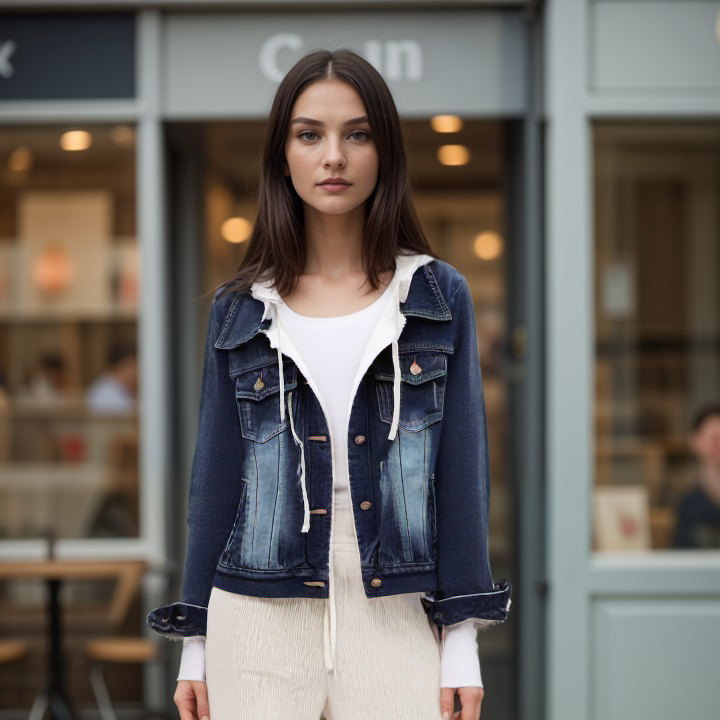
{"points": [[403, 475], [266, 534]]}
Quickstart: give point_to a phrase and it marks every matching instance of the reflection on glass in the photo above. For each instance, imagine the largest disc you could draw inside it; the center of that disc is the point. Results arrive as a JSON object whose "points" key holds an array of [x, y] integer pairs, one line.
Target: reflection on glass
{"points": [[657, 321], [68, 323]]}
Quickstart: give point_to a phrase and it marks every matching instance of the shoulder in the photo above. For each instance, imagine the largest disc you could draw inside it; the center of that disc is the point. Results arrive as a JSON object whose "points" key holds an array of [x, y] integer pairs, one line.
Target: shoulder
{"points": [[693, 501], [226, 304], [448, 278]]}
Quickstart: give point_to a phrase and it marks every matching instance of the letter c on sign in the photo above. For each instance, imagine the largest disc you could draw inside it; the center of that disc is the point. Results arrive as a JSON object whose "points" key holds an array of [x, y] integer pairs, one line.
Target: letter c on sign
{"points": [[267, 57]]}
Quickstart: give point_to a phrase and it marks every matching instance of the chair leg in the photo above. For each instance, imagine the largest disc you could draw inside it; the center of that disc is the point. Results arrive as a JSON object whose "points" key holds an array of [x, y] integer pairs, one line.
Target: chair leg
{"points": [[37, 711], [101, 692]]}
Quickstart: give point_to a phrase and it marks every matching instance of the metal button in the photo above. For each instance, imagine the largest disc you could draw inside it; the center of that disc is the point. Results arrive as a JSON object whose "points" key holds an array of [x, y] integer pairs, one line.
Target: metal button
{"points": [[415, 369], [376, 582], [365, 505], [359, 439]]}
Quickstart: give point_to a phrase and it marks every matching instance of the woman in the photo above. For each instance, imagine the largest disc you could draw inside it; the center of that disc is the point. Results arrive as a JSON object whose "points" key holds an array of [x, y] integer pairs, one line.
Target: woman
{"points": [[339, 494]]}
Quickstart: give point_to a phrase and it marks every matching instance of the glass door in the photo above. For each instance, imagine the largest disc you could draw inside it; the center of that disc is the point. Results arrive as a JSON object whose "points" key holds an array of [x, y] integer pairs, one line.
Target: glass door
{"points": [[460, 175]]}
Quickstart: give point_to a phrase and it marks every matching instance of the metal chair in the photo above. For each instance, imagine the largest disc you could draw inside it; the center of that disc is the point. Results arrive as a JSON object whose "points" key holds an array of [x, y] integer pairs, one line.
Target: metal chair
{"points": [[121, 649], [115, 650]]}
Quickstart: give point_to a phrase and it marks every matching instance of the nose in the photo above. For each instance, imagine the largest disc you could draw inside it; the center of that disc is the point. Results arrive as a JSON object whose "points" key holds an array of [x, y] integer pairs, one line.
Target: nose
{"points": [[333, 157]]}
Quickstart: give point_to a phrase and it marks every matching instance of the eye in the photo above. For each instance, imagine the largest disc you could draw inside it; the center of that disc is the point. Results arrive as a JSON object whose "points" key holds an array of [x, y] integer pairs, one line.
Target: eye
{"points": [[360, 135], [308, 135]]}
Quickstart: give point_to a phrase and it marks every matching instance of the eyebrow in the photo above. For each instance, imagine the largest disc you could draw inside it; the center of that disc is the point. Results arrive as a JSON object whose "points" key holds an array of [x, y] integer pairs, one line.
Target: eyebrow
{"points": [[318, 123]]}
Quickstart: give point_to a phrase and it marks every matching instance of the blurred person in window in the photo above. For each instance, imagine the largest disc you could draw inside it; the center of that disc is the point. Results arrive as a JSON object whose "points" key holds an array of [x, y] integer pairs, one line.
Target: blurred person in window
{"points": [[698, 514], [115, 391], [48, 383]]}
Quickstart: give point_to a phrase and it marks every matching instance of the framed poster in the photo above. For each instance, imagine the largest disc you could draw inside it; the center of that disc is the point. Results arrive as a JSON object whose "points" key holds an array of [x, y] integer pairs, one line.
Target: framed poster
{"points": [[64, 245], [621, 518]]}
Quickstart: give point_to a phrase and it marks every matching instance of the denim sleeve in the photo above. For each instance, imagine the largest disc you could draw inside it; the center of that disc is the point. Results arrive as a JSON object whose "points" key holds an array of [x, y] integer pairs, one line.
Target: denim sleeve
{"points": [[462, 487], [215, 491]]}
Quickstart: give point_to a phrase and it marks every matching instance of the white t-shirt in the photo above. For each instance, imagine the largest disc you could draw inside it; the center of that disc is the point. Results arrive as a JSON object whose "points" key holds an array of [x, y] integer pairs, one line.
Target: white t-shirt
{"points": [[331, 350]]}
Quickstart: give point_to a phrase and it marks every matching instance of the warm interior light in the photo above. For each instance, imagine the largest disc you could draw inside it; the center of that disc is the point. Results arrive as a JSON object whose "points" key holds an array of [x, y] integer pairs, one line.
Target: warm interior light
{"points": [[488, 245], [123, 135], [52, 270], [20, 159], [453, 155], [75, 140], [446, 123], [236, 229]]}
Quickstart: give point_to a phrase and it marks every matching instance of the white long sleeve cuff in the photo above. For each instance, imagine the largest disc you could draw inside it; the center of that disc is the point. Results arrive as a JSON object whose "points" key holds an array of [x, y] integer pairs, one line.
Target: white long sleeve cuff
{"points": [[192, 660], [459, 661]]}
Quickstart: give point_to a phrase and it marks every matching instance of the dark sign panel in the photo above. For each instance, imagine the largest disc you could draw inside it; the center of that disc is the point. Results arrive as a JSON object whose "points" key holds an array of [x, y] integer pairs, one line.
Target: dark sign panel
{"points": [[67, 56]]}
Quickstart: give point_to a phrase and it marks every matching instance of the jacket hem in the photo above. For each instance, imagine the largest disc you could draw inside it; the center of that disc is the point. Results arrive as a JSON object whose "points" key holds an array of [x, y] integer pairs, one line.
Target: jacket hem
{"points": [[392, 582]]}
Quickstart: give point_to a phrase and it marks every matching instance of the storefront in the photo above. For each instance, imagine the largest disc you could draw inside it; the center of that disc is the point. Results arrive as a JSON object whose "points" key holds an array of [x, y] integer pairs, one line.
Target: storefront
{"points": [[631, 187], [126, 191]]}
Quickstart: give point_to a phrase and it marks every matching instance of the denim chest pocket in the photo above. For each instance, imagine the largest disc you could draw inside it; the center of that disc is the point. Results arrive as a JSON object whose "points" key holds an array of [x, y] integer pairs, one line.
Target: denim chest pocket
{"points": [[422, 389], [257, 393]]}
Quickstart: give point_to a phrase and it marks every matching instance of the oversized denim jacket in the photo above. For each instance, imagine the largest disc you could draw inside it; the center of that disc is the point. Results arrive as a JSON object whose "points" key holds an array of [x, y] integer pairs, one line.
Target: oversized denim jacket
{"points": [[260, 505]]}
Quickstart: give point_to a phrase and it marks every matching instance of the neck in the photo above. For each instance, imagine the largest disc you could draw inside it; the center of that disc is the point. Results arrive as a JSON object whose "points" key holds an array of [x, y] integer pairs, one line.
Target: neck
{"points": [[334, 243]]}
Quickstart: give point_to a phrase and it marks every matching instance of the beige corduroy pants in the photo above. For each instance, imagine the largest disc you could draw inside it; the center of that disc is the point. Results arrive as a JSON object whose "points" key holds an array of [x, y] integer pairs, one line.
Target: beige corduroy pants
{"points": [[264, 656]]}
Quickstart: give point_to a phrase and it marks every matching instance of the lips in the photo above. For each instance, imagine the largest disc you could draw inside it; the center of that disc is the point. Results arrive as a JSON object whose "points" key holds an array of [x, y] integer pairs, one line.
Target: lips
{"points": [[334, 181]]}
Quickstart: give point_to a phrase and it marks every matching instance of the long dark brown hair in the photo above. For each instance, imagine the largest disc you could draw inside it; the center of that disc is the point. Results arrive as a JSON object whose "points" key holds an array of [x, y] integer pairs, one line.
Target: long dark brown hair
{"points": [[277, 249]]}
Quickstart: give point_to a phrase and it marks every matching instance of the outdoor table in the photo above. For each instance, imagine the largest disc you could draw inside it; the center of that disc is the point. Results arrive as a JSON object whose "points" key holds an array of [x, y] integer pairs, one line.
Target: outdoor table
{"points": [[54, 698]]}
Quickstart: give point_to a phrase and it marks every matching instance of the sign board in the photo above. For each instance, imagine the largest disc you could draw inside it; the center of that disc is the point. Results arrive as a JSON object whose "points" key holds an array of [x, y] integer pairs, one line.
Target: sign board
{"points": [[229, 64], [67, 56]]}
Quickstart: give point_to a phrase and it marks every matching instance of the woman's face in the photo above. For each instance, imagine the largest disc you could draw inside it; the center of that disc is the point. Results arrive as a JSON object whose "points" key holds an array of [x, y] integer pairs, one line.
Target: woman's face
{"points": [[705, 441], [330, 154]]}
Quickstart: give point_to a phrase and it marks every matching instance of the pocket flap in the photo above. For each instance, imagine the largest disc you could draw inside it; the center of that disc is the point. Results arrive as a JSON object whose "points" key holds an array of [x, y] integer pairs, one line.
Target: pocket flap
{"points": [[257, 384], [415, 368]]}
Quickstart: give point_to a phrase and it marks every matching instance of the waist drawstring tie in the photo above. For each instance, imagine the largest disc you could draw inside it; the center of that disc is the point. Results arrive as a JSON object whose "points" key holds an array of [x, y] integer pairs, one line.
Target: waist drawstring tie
{"points": [[329, 627]]}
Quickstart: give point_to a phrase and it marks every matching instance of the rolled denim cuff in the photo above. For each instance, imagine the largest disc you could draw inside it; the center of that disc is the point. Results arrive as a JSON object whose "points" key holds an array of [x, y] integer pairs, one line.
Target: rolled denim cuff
{"points": [[178, 620], [486, 609]]}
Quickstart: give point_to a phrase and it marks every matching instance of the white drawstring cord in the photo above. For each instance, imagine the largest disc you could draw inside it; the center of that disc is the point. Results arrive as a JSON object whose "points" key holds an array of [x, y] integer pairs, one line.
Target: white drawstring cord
{"points": [[306, 504], [280, 368], [396, 367]]}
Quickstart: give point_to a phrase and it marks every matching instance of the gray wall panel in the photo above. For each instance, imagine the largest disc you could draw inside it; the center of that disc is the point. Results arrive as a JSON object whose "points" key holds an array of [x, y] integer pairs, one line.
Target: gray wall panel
{"points": [[654, 45], [654, 658]]}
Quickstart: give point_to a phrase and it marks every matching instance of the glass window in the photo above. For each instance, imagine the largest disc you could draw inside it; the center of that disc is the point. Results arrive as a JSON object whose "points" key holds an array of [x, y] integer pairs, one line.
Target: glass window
{"points": [[657, 336], [68, 326]]}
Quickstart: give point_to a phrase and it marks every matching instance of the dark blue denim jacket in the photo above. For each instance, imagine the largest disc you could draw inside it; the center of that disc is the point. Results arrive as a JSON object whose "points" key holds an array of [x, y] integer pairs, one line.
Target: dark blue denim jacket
{"points": [[420, 501]]}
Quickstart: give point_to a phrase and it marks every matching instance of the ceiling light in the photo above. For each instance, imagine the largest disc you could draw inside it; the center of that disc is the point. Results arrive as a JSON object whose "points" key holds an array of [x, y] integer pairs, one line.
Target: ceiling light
{"points": [[488, 245], [75, 140], [453, 155], [123, 135], [446, 123], [20, 159], [236, 229]]}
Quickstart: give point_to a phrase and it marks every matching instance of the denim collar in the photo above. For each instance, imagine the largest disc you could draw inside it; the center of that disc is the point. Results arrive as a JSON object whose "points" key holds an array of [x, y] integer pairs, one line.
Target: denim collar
{"points": [[244, 318]]}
